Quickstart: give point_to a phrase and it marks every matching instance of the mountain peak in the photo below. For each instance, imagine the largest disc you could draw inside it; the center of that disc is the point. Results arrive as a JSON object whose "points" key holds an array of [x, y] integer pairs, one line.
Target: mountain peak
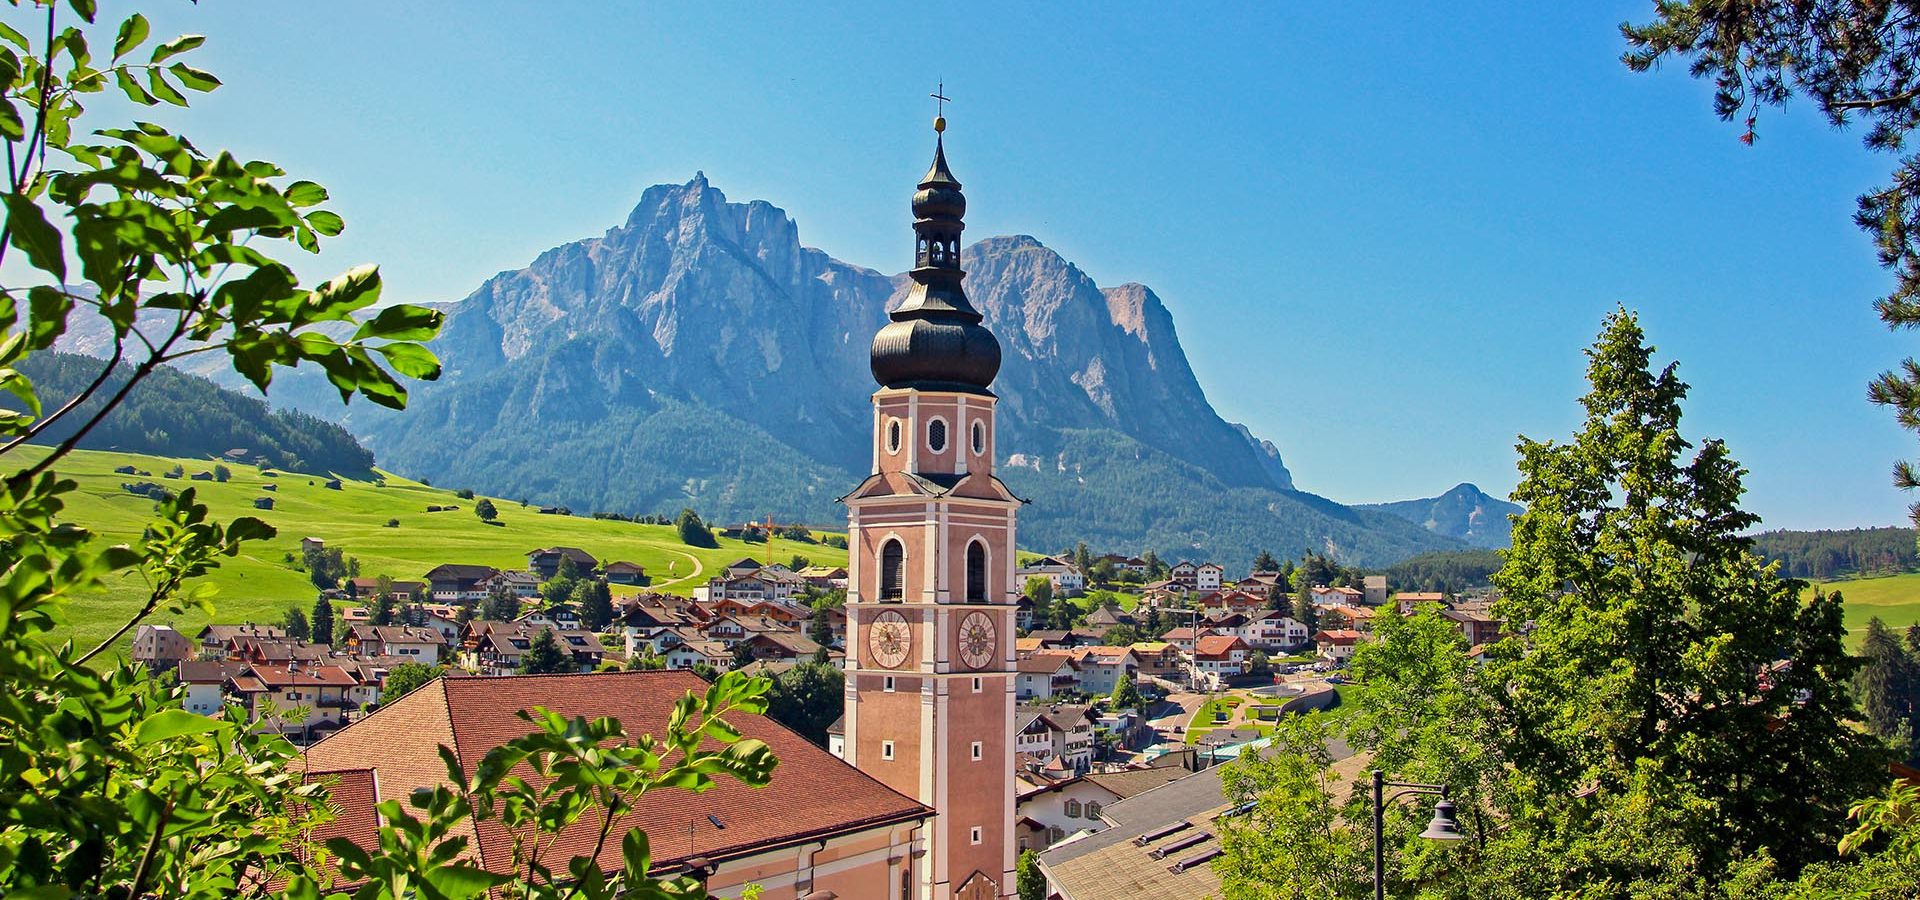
{"points": [[1463, 512]]}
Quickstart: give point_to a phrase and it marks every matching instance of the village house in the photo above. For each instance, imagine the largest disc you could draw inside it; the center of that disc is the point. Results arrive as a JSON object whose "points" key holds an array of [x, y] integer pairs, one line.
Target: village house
{"points": [[218, 639], [1157, 657], [557, 615], [277, 652], [1209, 576], [1102, 667], [1185, 574], [1262, 584], [820, 828], [1349, 618], [1475, 623], [1337, 646], [160, 646], [206, 682], [1063, 575], [1338, 596], [1272, 631], [1108, 616], [415, 643], [825, 577], [1232, 601], [1375, 587], [1054, 811], [497, 648], [749, 587], [522, 584], [457, 582], [785, 646], [1043, 675], [1219, 656], [1056, 733], [1409, 603], [545, 562], [1063, 640], [621, 571], [300, 701], [1181, 638], [367, 590], [686, 653], [1120, 563]]}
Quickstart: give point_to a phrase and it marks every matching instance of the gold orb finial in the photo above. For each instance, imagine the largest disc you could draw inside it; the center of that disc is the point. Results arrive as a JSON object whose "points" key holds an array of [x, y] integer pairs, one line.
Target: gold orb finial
{"points": [[939, 124]]}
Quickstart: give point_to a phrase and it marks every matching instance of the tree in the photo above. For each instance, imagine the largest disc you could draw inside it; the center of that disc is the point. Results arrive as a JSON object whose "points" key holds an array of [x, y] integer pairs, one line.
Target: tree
{"points": [[1040, 590], [799, 562], [403, 678], [558, 590], [1888, 687], [1102, 572], [1156, 570], [693, 532], [545, 657], [1083, 560], [1258, 663], [646, 661], [1303, 611], [501, 605], [296, 624], [322, 624], [1126, 695], [820, 625], [1264, 562], [1120, 636], [1061, 615], [1855, 59], [1294, 841], [568, 570], [808, 698], [484, 509], [382, 610], [596, 610], [1031, 882], [173, 247], [742, 655], [222, 474], [1662, 650]]}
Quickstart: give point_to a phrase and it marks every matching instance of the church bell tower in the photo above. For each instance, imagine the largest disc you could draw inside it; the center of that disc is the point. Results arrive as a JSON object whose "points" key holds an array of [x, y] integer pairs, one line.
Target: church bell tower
{"points": [[930, 596]]}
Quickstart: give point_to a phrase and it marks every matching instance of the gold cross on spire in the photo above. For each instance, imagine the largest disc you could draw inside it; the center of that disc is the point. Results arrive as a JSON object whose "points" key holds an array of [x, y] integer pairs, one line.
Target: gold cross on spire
{"points": [[940, 101]]}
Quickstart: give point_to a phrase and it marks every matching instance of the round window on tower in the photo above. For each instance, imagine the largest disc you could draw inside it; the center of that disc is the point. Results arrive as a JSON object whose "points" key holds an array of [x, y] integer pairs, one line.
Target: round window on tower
{"points": [[893, 436], [937, 435], [979, 438]]}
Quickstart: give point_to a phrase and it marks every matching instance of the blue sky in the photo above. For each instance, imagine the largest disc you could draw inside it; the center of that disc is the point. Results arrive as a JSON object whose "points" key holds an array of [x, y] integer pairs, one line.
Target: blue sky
{"points": [[1385, 231]]}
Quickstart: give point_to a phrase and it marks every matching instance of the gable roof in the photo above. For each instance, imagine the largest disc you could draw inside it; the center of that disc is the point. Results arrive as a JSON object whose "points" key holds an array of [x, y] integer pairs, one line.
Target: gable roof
{"points": [[812, 793], [1217, 645], [460, 572]]}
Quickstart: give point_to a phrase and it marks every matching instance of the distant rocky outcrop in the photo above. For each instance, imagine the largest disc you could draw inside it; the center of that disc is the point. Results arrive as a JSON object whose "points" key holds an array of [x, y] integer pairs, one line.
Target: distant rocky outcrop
{"points": [[1464, 512]]}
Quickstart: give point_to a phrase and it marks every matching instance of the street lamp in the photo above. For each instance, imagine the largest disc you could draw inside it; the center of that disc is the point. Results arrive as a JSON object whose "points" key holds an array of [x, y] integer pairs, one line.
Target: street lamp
{"points": [[1443, 827]]}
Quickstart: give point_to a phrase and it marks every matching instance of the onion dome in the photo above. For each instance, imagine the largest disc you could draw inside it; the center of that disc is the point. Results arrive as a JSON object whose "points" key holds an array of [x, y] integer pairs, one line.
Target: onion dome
{"points": [[936, 341]]}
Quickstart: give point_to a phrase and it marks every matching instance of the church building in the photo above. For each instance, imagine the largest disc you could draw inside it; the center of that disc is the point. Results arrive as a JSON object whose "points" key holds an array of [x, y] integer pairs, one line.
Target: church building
{"points": [[930, 599]]}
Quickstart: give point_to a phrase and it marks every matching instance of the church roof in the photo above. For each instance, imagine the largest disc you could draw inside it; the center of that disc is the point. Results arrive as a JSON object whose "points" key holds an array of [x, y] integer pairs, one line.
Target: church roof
{"points": [[812, 793]]}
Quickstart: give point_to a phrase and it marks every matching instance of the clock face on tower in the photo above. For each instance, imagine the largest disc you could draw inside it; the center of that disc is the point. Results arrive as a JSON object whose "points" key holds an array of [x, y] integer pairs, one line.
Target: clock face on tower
{"points": [[976, 639], [889, 638]]}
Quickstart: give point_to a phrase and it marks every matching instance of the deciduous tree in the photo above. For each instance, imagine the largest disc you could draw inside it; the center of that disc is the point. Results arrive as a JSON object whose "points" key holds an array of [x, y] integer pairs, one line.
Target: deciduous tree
{"points": [[545, 657]]}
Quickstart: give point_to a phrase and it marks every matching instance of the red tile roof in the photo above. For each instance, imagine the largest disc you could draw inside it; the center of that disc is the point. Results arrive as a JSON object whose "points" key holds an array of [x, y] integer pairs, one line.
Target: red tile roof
{"points": [[1217, 645], [812, 792]]}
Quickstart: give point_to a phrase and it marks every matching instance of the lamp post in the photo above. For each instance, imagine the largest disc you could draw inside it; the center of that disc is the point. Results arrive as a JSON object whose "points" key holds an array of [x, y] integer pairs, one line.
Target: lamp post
{"points": [[1444, 826]]}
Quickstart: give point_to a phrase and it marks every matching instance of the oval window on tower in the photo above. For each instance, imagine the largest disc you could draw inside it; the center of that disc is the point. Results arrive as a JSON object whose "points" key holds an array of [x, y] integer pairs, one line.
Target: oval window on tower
{"points": [[893, 436], [937, 435], [979, 438]]}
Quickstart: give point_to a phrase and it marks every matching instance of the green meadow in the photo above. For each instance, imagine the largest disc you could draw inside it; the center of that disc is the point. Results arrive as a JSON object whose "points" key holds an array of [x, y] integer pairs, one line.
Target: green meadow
{"points": [[1894, 598], [261, 582]]}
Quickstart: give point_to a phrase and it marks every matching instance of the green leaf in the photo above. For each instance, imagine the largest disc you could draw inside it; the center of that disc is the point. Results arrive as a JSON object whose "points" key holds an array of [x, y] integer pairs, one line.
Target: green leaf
{"points": [[402, 322], [464, 881], [158, 84], [195, 79], [325, 222], [305, 193], [350, 290], [177, 46], [411, 360], [172, 723], [87, 9], [132, 32], [29, 230], [11, 126], [15, 38], [131, 87]]}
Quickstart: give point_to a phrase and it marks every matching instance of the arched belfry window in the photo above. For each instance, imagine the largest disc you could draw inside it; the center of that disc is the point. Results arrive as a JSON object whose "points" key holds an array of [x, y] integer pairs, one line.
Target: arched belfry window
{"points": [[976, 572], [937, 435], [893, 571]]}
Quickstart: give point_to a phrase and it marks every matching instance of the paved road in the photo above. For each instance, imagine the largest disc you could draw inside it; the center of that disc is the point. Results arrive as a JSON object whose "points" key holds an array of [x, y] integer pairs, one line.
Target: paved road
{"points": [[1173, 712]]}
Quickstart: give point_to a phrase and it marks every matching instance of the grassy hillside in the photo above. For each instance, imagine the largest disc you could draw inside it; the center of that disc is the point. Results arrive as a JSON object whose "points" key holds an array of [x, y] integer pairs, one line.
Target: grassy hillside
{"points": [[260, 584], [1894, 598]]}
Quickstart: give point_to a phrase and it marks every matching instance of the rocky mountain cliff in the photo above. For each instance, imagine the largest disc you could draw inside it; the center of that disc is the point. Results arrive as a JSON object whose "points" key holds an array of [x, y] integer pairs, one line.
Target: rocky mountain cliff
{"points": [[699, 355], [1464, 512]]}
